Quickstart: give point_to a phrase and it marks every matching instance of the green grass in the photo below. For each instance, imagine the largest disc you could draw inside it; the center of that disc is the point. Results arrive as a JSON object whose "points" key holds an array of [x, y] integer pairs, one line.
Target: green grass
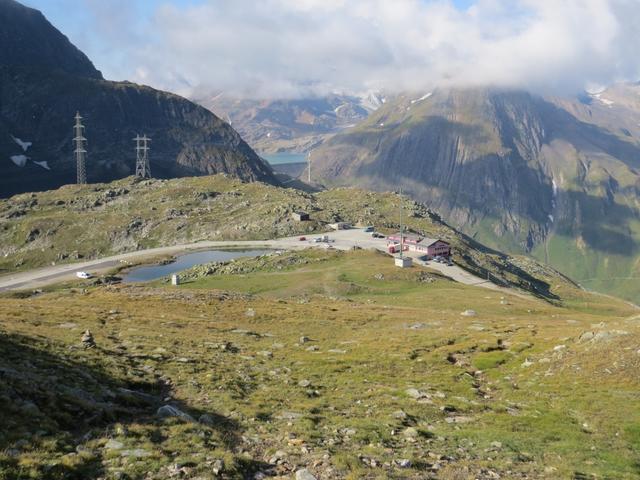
{"points": [[375, 331]]}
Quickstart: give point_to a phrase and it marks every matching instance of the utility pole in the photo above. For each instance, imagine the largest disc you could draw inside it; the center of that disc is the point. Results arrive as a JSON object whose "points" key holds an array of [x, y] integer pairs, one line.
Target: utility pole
{"points": [[143, 170], [401, 229], [80, 151], [309, 158]]}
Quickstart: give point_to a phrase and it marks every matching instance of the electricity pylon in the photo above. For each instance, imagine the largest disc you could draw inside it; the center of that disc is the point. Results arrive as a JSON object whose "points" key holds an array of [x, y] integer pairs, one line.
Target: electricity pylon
{"points": [[143, 170], [80, 150]]}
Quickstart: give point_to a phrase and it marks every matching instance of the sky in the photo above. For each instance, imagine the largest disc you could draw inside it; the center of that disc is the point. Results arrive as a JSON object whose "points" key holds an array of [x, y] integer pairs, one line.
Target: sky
{"points": [[301, 48]]}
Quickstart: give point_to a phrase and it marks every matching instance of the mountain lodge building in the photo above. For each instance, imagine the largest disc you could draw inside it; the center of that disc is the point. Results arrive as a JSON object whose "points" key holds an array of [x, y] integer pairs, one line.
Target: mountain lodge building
{"points": [[432, 247]]}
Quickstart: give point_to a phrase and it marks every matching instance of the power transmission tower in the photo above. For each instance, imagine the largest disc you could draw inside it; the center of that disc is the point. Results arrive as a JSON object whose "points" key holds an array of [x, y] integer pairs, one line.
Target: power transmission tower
{"points": [[80, 151], [143, 170]]}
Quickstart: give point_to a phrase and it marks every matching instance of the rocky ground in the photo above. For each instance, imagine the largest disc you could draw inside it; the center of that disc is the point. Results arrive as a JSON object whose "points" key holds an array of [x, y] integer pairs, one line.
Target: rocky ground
{"points": [[318, 365]]}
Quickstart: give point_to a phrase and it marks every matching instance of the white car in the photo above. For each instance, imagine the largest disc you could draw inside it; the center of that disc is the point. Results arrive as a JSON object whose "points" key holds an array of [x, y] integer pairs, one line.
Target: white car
{"points": [[83, 275]]}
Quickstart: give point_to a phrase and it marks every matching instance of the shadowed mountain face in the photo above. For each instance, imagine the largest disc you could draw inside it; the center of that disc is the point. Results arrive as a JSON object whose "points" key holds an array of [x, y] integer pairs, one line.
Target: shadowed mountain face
{"points": [[556, 178], [44, 80]]}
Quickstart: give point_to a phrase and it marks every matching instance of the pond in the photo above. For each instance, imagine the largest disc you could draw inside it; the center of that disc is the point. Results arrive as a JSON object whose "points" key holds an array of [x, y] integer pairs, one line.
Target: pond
{"points": [[285, 158], [148, 273]]}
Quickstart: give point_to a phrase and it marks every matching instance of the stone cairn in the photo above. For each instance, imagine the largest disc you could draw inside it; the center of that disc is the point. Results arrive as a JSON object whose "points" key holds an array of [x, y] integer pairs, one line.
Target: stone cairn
{"points": [[87, 339]]}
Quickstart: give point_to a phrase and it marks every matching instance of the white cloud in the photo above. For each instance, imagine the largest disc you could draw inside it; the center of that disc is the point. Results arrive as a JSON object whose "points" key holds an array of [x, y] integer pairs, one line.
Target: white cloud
{"points": [[297, 47]]}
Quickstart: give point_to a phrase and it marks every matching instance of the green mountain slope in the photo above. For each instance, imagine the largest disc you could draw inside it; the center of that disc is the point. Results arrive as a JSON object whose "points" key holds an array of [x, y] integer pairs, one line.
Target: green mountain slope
{"points": [[94, 221]]}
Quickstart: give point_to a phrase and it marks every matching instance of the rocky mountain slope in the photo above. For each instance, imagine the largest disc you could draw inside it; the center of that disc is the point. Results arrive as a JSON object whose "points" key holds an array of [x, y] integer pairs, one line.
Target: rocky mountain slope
{"points": [[44, 80], [555, 178], [295, 125]]}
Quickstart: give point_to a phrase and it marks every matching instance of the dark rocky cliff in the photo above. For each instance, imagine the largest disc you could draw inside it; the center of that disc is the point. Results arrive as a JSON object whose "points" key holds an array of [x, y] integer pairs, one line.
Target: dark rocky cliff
{"points": [[41, 89]]}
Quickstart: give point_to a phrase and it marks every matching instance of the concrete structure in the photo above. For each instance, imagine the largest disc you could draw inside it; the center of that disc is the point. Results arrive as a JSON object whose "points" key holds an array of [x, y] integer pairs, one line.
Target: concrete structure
{"points": [[340, 226], [175, 280], [404, 262], [300, 216], [432, 247]]}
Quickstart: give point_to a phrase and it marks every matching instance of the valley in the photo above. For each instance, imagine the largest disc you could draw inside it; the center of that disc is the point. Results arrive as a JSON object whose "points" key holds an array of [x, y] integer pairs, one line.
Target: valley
{"points": [[363, 242]]}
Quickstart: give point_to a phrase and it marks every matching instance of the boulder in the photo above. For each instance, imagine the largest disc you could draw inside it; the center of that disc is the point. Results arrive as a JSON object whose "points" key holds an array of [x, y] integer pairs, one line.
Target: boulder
{"points": [[167, 411]]}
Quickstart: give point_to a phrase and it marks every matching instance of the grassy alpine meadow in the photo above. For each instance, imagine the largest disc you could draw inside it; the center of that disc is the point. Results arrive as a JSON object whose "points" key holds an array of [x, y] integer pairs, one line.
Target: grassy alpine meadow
{"points": [[333, 363]]}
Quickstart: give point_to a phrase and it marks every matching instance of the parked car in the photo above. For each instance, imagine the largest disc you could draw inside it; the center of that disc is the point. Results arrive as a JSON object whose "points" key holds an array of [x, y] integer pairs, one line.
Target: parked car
{"points": [[368, 229], [83, 275], [303, 239], [377, 235], [317, 240], [424, 258]]}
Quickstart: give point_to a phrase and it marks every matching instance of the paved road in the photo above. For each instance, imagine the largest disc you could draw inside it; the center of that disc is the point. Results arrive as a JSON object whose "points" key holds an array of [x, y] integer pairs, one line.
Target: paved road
{"points": [[342, 240]]}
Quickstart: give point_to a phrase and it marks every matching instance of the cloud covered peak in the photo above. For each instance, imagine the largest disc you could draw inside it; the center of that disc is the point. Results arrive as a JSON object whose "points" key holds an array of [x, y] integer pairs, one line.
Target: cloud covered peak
{"points": [[288, 48]]}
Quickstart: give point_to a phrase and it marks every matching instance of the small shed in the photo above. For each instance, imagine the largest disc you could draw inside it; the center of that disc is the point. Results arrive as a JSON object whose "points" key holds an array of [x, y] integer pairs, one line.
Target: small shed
{"points": [[300, 216], [340, 226]]}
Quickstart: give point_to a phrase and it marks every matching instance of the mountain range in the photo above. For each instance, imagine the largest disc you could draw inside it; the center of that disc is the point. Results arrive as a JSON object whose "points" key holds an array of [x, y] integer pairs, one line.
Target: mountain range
{"points": [[292, 125], [556, 178], [45, 80]]}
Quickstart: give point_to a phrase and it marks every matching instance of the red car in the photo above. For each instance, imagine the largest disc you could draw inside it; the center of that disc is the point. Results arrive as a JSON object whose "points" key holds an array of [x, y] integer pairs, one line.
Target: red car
{"points": [[303, 239]]}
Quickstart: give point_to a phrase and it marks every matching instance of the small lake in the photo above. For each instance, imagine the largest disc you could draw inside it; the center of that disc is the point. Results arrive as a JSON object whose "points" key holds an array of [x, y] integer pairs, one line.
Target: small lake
{"points": [[284, 158], [186, 261]]}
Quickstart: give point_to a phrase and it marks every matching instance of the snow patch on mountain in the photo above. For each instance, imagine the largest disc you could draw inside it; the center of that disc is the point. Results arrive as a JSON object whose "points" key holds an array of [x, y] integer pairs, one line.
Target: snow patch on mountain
{"points": [[43, 164], [372, 101], [422, 98], [19, 160], [601, 99], [24, 145]]}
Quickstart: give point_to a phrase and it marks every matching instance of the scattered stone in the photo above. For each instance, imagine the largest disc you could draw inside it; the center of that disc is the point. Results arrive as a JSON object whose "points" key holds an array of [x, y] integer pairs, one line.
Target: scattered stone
{"points": [[114, 445], [313, 348], [416, 394], [278, 457], [557, 348], [68, 325], [266, 353], [458, 419], [87, 340], [304, 383], [304, 474], [289, 416], [335, 350], [469, 313], [218, 467], [135, 453], [167, 411], [403, 463], [250, 313], [497, 445], [410, 433], [304, 340], [399, 415]]}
